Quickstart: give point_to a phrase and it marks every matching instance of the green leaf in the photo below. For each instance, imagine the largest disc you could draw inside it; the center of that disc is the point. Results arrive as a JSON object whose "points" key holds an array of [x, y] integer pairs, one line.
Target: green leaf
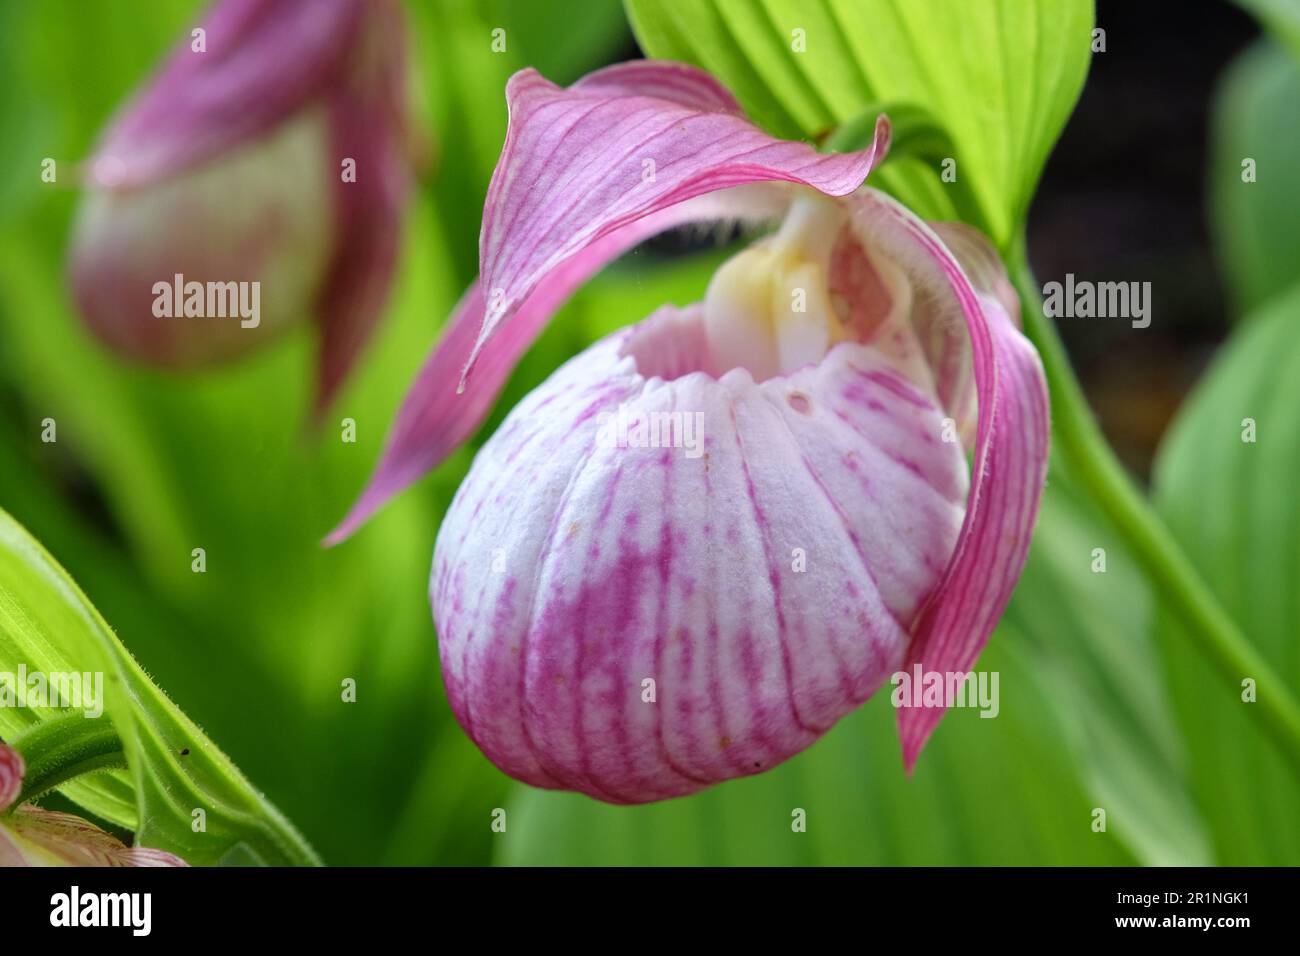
{"points": [[1080, 728], [258, 645], [1232, 504], [1280, 17], [1085, 609], [48, 626], [1257, 228], [1001, 75], [149, 465]]}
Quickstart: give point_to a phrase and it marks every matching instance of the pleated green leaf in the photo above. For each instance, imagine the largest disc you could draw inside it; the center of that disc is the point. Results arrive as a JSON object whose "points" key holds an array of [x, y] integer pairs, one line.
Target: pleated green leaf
{"points": [[1226, 483], [1254, 191], [179, 792], [1001, 75]]}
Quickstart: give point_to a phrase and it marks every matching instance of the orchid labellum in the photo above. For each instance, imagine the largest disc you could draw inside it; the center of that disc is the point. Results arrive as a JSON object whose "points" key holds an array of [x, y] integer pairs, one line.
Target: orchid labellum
{"points": [[273, 148], [634, 622]]}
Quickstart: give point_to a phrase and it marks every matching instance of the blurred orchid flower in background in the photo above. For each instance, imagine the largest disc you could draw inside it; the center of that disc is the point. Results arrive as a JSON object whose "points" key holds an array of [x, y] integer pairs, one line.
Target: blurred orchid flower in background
{"points": [[30, 836], [631, 621], [273, 150]]}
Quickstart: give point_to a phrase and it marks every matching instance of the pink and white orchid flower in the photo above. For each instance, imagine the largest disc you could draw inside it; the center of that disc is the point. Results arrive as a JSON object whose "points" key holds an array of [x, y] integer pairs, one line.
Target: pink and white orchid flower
{"points": [[637, 623], [30, 836], [278, 152]]}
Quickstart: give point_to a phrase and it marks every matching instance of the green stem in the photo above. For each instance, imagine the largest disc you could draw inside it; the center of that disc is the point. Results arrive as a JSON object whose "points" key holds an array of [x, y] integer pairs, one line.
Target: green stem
{"points": [[1080, 442], [57, 750]]}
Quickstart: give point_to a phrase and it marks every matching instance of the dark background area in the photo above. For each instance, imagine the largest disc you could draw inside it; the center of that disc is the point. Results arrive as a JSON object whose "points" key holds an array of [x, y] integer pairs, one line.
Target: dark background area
{"points": [[1123, 198]]}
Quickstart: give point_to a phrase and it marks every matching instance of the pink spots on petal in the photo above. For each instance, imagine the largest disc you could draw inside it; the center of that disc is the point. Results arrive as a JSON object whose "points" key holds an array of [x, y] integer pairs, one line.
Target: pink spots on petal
{"points": [[635, 563]]}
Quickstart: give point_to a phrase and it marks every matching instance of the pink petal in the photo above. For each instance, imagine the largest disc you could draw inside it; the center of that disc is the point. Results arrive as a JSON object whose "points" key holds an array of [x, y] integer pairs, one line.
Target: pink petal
{"points": [[619, 144], [569, 571], [567, 198], [1010, 461], [369, 126], [263, 62]]}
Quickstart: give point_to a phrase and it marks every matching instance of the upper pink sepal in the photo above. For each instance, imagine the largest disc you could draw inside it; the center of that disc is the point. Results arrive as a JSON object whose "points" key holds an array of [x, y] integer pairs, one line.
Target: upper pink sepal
{"points": [[617, 145]]}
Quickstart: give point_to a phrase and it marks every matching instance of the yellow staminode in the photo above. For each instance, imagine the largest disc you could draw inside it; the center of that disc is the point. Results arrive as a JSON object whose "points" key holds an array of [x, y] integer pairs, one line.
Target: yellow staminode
{"points": [[768, 309]]}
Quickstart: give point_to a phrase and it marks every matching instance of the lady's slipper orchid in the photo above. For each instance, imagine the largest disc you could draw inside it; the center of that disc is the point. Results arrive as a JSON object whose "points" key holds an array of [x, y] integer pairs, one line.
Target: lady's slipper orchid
{"points": [[638, 622], [259, 178], [30, 836]]}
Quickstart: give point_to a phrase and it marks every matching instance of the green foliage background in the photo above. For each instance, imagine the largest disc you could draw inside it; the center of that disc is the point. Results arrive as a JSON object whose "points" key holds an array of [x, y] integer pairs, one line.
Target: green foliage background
{"points": [[1101, 705]]}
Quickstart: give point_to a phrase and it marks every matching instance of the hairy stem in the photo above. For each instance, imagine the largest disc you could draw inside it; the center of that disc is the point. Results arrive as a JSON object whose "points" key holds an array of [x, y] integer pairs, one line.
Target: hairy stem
{"points": [[57, 750]]}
